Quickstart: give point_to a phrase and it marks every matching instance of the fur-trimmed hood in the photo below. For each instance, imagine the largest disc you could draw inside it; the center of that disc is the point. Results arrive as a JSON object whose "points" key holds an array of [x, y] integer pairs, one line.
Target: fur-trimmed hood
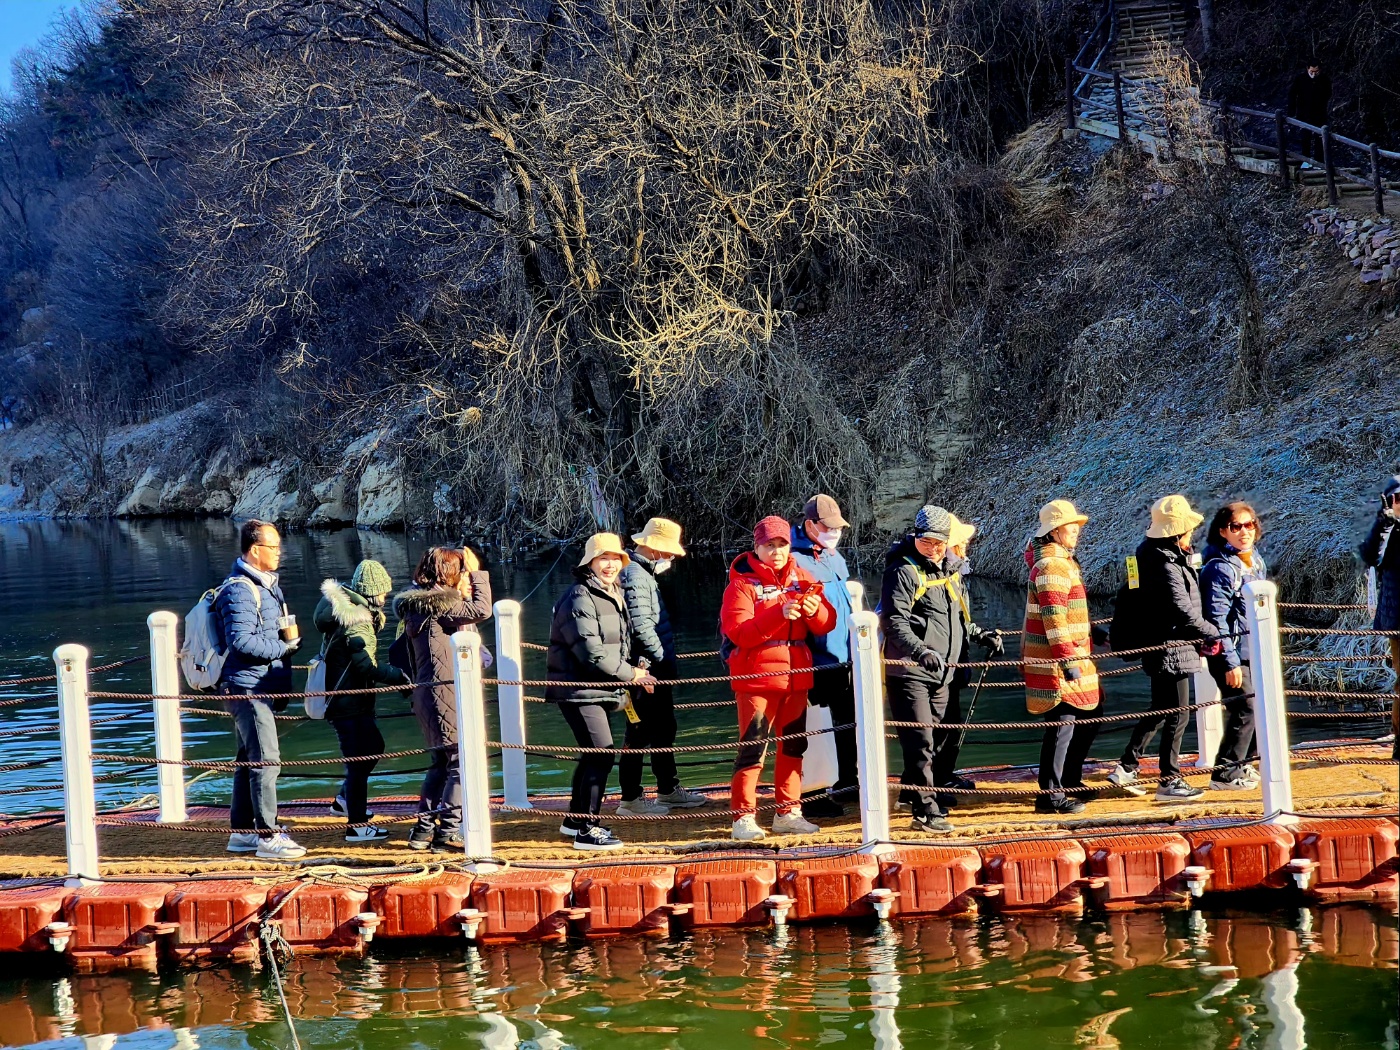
{"points": [[426, 601], [348, 608]]}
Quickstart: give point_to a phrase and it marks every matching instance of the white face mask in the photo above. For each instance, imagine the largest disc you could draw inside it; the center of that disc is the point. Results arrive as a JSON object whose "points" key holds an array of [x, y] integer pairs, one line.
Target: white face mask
{"points": [[661, 565], [828, 538]]}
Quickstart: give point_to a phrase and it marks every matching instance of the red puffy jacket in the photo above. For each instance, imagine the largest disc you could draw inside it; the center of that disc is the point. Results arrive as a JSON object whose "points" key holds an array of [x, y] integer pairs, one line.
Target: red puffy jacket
{"points": [[751, 617]]}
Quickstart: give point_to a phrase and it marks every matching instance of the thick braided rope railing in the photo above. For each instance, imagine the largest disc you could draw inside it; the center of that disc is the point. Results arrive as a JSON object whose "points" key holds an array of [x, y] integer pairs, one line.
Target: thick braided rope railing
{"points": [[1340, 694], [1340, 632], [1047, 723], [1363, 658], [6, 682], [1319, 607]]}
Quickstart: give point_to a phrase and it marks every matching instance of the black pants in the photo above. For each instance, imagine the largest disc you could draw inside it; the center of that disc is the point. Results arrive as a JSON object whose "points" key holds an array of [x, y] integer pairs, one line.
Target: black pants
{"points": [[440, 797], [1064, 747], [832, 688], [929, 754], [1171, 695], [655, 727], [1237, 741], [589, 722], [1312, 143], [358, 736]]}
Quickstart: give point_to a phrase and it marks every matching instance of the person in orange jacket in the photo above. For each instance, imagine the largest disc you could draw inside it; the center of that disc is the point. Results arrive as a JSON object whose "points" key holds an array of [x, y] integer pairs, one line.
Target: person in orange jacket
{"points": [[771, 606]]}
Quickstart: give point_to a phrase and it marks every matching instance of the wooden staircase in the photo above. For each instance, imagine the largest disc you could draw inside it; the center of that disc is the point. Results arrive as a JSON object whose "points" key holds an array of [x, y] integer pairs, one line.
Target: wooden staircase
{"points": [[1111, 91]]}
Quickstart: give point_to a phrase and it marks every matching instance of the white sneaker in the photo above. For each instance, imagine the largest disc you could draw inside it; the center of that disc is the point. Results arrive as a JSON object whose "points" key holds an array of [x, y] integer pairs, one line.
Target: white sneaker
{"points": [[243, 842], [683, 798], [746, 829], [280, 847], [642, 807], [1124, 778], [366, 834], [338, 806], [1238, 784], [793, 823], [1251, 776]]}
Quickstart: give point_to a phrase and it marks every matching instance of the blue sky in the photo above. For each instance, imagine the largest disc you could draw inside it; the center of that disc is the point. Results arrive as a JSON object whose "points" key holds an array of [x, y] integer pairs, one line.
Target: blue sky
{"points": [[23, 22]]}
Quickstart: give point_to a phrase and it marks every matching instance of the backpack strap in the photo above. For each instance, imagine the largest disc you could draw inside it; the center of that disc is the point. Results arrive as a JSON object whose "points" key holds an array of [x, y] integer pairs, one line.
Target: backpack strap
{"points": [[950, 583]]}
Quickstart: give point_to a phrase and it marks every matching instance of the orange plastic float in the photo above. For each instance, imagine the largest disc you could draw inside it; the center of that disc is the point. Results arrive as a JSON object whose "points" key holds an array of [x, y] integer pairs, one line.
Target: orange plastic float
{"points": [[215, 920], [1243, 858], [115, 925], [1351, 858], [1140, 871], [428, 907], [726, 892], [322, 918], [522, 904], [626, 898], [932, 880], [27, 918], [1039, 876], [829, 887]]}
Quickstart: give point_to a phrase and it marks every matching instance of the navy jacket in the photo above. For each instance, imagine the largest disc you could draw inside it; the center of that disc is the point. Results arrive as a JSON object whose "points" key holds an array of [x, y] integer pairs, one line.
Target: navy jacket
{"points": [[651, 623], [1223, 577], [829, 569], [247, 613], [1381, 551]]}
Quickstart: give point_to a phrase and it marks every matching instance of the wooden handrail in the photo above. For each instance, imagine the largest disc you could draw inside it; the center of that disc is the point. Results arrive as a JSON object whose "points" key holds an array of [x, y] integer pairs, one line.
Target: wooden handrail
{"points": [[1094, 33]]}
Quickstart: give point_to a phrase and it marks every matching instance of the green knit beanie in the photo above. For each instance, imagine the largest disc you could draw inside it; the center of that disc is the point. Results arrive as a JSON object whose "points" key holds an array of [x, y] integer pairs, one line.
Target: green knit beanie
{"points": [[371, 579]]}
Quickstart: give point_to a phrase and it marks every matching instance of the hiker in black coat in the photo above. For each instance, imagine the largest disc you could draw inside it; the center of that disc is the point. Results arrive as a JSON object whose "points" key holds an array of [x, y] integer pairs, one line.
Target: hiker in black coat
{"points": [[1171, 613], [1308, 100]]}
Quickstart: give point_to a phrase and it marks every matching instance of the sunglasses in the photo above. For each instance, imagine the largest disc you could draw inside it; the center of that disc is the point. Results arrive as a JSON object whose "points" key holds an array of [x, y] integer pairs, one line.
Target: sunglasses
{"points": [[1240, 526]]}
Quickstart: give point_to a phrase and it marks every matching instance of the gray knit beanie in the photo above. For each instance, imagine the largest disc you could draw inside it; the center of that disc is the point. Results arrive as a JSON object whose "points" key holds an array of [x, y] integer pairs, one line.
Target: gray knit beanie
{"points": [[371, 579], [933, 523]]}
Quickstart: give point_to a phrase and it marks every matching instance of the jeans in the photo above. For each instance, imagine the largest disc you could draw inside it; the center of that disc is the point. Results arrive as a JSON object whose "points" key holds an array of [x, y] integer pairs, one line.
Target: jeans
{"points": [[655, 727], [832, 687], [442, 784], [1064, 747], [1171, 695], [930, 755], [761, 717], [254, 803], [1238, 737], [589, 722], [358, 736]]}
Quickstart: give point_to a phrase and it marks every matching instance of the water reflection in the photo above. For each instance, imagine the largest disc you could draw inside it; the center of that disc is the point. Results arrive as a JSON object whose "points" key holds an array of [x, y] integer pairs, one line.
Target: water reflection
{"points": [[1244, 980]]}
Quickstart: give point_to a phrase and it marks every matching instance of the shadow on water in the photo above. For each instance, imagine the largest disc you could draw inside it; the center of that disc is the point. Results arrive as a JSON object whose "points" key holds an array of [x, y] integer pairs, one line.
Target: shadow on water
{"points": [[1324, 978]]}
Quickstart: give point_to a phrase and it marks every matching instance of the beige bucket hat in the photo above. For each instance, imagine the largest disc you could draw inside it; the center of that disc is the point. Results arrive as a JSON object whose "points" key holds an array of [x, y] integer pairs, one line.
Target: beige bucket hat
{"points": [[663, 535], [1056, 513], [961, 532], [604, 543], [1172, 516]]}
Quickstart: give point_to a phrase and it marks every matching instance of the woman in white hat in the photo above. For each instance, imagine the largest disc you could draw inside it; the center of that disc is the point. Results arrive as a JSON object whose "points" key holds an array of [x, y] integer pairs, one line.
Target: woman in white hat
{"points": [[1169, 610], [591, 642]]}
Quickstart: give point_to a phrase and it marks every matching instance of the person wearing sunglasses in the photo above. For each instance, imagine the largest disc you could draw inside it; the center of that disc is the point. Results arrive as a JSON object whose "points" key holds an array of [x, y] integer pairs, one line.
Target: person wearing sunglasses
{"points": [[1231, 561]]}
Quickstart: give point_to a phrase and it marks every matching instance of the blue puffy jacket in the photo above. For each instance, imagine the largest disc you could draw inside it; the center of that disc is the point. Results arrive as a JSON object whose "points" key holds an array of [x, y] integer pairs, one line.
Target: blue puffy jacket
{"points": [[829, 569], [247, 617], [1223, 577], [1381, 551], [651, 623]]}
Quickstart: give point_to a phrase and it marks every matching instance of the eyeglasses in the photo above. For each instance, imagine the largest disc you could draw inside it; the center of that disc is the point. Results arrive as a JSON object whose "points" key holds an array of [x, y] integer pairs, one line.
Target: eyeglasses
{"points": [[1240, 526]]}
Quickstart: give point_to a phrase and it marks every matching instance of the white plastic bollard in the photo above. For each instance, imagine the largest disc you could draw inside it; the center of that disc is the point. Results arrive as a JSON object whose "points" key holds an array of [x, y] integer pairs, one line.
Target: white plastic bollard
{"points": [[165, 681], [870, 732], [75, 739], [1270, 705], [1210, 721], [856, 590], [471, 748], [510, 701]]}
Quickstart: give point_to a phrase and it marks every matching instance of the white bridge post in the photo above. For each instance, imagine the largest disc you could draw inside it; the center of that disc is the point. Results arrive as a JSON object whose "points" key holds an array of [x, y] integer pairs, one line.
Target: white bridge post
{"points": [[856, 590], [1270, 705], [165, 682], [510, 702], [471, 749], [75, 740], [866, 667]]}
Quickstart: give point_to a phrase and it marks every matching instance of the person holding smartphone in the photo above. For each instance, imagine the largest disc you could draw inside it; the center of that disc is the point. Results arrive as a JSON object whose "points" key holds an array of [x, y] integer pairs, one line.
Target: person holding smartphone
{"points": [[1381, 551]]}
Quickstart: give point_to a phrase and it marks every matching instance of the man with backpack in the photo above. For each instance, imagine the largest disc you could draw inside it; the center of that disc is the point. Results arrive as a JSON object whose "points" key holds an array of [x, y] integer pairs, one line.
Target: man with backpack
{"points": [[259, 638]]}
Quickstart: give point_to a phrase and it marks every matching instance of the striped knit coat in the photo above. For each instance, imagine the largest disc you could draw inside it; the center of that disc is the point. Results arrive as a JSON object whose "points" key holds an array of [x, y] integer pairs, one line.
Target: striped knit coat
{"points": [[1057, 628]]}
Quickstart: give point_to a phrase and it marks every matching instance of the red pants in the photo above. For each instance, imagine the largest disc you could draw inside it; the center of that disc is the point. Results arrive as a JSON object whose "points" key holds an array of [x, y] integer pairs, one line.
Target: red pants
{"points": [[759, 718]]}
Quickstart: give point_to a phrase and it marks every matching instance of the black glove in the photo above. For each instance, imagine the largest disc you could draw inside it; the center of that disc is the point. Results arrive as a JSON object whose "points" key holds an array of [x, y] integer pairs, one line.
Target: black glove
{"points": [[1099, 634], [932, 662], [1072, 673], [280, 704], [992, 640]]}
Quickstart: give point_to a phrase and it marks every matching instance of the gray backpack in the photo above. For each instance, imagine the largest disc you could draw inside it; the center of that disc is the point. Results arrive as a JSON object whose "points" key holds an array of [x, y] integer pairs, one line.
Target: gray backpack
{"points": [[204, 652]]}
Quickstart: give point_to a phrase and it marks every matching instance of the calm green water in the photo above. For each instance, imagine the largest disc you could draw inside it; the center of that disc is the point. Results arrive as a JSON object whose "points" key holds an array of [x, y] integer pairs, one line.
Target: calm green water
{"points": [[95, 582], [1135, 981]]}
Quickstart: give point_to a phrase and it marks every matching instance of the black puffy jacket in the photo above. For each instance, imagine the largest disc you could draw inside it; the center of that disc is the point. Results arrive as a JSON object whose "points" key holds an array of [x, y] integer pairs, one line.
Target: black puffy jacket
{"points": [[1171, 607], [590, 640], [934, 620]]}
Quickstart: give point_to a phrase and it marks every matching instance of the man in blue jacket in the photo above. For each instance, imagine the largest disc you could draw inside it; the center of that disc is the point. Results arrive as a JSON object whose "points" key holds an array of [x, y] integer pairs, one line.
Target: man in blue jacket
{"points": [[814, 543], [259, 640], [1381, 551]]}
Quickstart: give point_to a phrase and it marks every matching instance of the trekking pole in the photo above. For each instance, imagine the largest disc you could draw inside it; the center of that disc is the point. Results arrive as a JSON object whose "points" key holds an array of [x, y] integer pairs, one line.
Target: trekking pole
{"points": [[971, 707]]}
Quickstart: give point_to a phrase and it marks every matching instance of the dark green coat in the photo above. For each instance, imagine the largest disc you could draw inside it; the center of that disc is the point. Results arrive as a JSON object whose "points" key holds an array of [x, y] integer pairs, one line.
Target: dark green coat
{"points": [[351, 627]]}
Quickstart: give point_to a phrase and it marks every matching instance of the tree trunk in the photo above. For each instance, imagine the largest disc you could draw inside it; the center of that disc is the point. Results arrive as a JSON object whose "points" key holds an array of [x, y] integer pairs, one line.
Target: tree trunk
{"points": [[1207, 25]]}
